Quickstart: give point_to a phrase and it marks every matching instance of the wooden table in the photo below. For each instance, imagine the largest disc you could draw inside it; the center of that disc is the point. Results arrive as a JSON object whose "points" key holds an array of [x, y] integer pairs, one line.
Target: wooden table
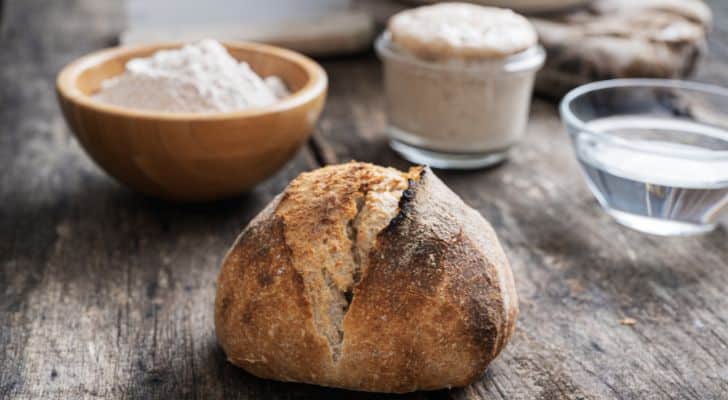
{"points": [[107, 294]]}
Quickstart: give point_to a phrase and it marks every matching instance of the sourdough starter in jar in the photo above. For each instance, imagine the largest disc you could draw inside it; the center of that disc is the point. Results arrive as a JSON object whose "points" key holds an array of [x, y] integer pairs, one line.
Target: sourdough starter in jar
{"points": [[458, 80]]}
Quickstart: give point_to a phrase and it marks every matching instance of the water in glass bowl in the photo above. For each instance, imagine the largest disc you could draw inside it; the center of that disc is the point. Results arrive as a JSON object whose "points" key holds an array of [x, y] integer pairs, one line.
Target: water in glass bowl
{"points": [[666, 181]]}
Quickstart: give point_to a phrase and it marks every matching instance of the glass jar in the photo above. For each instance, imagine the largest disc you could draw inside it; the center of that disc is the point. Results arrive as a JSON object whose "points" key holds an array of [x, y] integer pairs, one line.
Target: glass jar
{"points": [[456, 114]]}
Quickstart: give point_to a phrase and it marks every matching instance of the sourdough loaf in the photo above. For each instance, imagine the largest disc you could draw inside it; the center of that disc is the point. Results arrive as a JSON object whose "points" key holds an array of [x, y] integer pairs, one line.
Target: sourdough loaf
{"points": [[366, 278]]}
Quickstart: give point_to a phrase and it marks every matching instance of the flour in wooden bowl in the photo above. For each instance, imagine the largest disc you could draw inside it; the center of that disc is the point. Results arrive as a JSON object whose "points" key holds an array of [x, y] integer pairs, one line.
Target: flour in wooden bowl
{"points": [[197, 78]]}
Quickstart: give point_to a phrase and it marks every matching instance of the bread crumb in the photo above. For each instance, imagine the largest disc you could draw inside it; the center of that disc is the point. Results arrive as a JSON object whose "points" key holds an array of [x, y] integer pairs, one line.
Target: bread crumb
{"points": [[628, 321]]}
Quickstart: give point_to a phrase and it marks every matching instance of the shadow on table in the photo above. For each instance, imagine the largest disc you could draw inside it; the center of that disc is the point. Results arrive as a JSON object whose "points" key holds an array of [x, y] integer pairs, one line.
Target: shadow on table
{"points": [[103, 225], [237, 382], [618, 261]]}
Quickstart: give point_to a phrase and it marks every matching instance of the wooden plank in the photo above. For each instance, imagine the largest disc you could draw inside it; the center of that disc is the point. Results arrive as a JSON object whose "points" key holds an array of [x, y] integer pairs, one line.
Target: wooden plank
{"points": [[107, 294], [104, 293], [712, 68], [578, 273]]}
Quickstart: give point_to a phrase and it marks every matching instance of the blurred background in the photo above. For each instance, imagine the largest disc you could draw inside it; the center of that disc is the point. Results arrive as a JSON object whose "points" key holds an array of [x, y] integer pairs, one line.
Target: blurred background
{"points": [[585, 40]]}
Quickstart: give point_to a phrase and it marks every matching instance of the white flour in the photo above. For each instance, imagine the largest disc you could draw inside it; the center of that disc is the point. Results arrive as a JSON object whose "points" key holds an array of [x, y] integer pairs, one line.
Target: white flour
{"points": [[200, 77]]}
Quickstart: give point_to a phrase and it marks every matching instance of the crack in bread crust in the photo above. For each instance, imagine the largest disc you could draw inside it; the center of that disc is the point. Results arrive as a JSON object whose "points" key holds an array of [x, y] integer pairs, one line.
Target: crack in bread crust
{"points": [[339, 304], [339, 212], [353, 233]]}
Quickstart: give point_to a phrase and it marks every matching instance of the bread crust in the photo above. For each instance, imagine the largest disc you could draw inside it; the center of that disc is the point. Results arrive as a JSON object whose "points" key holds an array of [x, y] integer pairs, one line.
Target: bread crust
{"points": [[433, 304]]}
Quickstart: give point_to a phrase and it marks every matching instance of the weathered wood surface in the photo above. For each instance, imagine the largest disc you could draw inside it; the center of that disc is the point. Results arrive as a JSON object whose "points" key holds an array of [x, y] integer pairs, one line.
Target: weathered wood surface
{"points": [[106, 294]]}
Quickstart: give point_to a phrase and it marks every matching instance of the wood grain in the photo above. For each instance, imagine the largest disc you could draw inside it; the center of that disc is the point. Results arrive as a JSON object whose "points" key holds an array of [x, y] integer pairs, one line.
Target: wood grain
{"points": [[107, 294], [577, 272]]}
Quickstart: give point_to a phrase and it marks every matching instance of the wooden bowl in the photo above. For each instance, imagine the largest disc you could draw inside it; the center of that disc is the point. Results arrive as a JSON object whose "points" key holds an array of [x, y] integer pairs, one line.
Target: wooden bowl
{"points": [[188, 156]]}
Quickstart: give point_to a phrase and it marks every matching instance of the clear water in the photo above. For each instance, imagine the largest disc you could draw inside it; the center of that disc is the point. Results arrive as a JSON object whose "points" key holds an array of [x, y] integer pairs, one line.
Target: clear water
{"points": [[677, 193]]}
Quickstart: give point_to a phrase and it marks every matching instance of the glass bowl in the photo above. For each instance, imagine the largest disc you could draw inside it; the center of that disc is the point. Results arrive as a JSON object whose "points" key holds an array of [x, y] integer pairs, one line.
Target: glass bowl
{"points": [[654, 152]]}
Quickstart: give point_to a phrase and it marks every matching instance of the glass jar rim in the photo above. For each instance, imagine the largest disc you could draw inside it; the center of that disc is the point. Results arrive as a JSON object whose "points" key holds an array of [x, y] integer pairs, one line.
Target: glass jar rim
{"points": [[532, 58], [569, 118]]}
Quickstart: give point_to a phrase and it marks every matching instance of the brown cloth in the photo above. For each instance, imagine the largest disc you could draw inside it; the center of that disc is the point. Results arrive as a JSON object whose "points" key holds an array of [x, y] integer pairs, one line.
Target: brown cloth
{"points": [[619, 39]]}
